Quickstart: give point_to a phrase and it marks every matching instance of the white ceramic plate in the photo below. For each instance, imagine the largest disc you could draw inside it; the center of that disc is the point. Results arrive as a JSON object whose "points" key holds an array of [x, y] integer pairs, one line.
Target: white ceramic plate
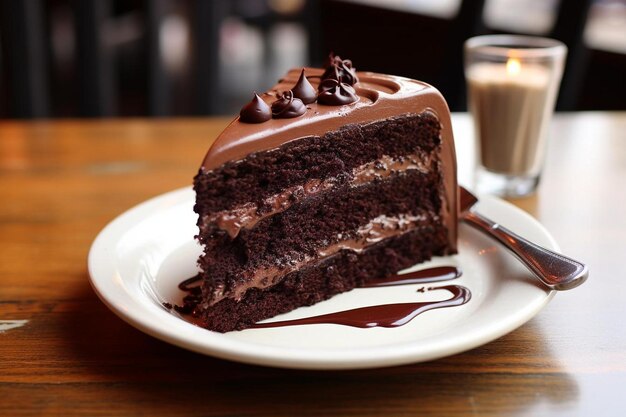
{"points": [[138, 260]]}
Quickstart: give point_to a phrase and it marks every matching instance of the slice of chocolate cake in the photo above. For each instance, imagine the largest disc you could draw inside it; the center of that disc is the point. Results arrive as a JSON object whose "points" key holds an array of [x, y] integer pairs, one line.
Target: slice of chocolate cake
{"points": [[332, 178]]}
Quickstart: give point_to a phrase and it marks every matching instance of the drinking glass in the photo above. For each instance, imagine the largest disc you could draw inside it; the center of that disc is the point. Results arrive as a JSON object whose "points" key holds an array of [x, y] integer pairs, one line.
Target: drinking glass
{"points": [[512, 87]]}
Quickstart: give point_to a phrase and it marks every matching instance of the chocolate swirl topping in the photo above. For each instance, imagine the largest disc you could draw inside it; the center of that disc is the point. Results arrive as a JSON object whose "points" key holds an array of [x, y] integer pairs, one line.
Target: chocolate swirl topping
{"points": [[340, 70], [288, 106], [304, 90], [335, 93], [257, 111]]}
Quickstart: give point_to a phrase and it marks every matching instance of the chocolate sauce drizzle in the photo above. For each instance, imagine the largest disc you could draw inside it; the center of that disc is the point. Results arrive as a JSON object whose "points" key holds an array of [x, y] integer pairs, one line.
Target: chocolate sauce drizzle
{"points": [[390, 315], [387, 315], [288, 106], [436, 274], [257, 111], [194, 295]]}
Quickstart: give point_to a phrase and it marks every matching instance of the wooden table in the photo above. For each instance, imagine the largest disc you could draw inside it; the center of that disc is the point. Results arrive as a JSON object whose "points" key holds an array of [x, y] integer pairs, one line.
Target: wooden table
{"points": [[67, 354]]}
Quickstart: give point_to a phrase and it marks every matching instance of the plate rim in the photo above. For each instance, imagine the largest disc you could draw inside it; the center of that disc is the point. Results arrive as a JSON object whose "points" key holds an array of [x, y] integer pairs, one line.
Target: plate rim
{"points": [[215, 344]]}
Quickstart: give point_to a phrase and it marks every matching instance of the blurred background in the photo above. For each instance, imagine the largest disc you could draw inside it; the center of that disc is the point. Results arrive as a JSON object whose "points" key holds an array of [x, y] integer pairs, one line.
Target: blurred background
{"points": [[156, 58]]}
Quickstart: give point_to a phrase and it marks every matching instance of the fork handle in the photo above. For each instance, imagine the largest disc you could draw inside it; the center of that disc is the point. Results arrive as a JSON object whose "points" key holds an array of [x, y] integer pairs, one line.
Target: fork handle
{"points": [[556, 271]]}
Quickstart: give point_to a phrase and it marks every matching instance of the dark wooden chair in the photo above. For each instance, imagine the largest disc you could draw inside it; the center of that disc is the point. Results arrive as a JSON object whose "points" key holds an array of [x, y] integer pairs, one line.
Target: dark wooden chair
{"points": [[24, 84], [431, 48], [25, 63], [30, 87], [375, 38]]}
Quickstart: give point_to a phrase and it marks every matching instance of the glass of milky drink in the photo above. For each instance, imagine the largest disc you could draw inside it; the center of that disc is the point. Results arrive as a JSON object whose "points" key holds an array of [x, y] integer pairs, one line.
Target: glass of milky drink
{"points": [[512, 86]]}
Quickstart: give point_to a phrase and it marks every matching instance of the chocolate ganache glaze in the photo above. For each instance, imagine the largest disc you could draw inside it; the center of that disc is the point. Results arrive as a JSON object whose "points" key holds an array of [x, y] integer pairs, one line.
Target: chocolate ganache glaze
{"points": [[379, 97]]}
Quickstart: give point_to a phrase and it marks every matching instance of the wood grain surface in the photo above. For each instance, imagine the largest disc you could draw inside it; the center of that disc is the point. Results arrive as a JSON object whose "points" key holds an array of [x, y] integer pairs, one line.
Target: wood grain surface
{"points": [[63, 353]]}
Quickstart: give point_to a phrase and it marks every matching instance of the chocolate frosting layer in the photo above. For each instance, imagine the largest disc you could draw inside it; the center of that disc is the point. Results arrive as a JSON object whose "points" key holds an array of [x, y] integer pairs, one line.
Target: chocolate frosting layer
{"points": [[304, 90], [380, 97], [373, 232], [247, 215], [257, 111]]}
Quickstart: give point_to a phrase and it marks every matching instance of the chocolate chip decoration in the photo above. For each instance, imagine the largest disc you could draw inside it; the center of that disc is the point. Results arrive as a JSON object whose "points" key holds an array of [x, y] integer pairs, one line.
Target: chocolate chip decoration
{"points": [[304, 90], [340, 70], [288, 106], [335, 89], [257, 111], [335, 93]]}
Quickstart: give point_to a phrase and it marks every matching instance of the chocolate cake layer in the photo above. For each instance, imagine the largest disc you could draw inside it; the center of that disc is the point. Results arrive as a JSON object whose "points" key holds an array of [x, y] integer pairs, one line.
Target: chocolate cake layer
{"points": [[333, 155], [345, 216], [341, 272]]}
